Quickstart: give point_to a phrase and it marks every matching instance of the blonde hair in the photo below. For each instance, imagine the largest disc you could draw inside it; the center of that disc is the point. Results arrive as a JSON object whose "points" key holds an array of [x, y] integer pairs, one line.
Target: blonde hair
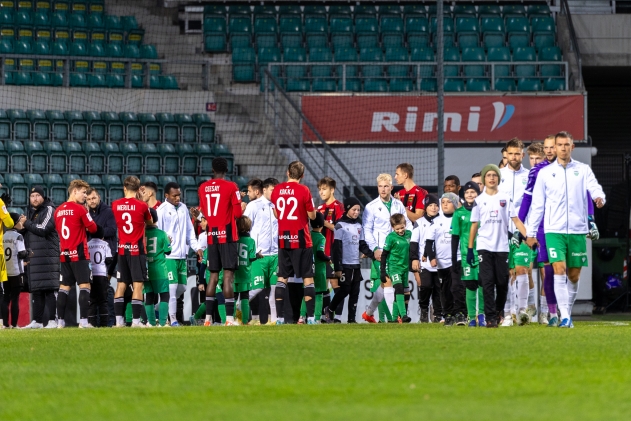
{"points": [[77, 184], [384, 177]]}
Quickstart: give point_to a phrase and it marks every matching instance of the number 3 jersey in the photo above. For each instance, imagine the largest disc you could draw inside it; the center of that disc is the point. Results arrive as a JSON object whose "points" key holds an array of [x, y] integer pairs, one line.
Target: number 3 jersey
{"points": [[219, 200], [99, 251], [292, 201], [130, 215], [71, 221]]}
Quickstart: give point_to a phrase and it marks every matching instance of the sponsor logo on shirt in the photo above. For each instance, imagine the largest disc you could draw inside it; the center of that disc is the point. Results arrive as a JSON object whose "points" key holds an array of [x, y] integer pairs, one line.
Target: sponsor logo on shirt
{"points": [[216, 233], [502, 203], [576, 173], [287, 237]]}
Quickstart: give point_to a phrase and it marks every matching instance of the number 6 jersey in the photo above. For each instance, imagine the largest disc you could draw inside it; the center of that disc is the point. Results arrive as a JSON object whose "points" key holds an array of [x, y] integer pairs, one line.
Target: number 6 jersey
{"points": [[130, 215], [71, 221], [292, 201]]}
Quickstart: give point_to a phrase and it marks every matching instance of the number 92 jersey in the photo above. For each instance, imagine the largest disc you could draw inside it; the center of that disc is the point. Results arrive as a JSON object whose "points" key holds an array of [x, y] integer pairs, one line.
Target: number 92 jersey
{"points": [[130, 215], [292, 201]]}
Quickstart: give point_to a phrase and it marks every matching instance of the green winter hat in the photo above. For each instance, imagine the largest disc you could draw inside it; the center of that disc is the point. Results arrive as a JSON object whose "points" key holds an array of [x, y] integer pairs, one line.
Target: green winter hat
{"points": [[491, 167]]}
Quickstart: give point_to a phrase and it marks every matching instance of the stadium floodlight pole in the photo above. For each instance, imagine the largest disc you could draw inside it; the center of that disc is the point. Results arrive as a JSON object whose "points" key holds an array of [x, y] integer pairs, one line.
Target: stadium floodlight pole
{"points": [[440, 94]]}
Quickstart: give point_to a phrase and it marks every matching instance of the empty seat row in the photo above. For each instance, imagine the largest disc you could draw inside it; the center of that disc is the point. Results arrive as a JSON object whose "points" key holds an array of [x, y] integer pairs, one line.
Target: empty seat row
{"points": [[82, 48], [93, 126]]}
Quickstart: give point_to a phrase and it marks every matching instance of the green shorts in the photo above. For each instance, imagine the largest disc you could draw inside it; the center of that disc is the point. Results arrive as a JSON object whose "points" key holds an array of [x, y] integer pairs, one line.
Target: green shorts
{"points": [[157, 287], [177, 271], [241, 286], [375, 275], [398, 278], [264, 272], [568, 248], [319, 278], [469, 273], [522, 255]]}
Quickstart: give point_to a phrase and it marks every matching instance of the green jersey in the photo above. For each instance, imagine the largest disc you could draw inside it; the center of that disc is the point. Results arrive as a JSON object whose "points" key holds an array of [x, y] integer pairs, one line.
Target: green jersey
{"points": [[158, 246], [247, 254], [319, 244], [398, 247], [461, 226]]}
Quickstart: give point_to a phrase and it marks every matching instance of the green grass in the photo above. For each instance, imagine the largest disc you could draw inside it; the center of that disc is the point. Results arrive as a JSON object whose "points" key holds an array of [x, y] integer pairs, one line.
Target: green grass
{"points": [[349, 373]]}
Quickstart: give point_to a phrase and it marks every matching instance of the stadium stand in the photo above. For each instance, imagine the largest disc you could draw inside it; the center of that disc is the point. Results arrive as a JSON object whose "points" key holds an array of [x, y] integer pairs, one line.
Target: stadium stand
{"points": [[399, 34], [47, 147], [44, 42]]}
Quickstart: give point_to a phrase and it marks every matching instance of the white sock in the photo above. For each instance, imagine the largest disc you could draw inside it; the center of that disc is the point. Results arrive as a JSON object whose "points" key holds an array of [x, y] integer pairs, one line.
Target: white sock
{"points": [[253, 294], [61, 322], [230, 318], [135, 321], [544, 305], [172, 301], [255, 317], [272, 304], [280, 319], [311, 319], [572, 290], [120, 320], [509, 307], [208, 318], [338, 317], [82, 322], [560, 290], [531, 297], [374, 303], [388, 294], [522, 291]]}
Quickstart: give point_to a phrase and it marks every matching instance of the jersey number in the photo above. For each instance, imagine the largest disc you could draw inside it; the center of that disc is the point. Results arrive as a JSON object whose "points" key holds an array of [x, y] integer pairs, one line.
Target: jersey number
{"points": [[215, 196], [553, 253], [280, 204], [98, 258], [152, 245], [8, 253], [243, 251], [128, 228], [467, 271], [65, 231]]}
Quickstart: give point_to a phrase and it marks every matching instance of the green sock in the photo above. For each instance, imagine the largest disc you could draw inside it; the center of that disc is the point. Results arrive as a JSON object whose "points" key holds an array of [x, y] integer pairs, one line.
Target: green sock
{"points": [[149, 308], [222, 312], [163, 312], [471, 302], [128, 313], [480, 301], [245, 311], [303, 309], [384, 312], [318, 307], [399, 304], [201, 312]]}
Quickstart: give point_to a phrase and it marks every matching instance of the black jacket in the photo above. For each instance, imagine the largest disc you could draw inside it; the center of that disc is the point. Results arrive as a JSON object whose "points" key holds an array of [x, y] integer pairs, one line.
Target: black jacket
{"points": [[104, 218], [41, 237]]}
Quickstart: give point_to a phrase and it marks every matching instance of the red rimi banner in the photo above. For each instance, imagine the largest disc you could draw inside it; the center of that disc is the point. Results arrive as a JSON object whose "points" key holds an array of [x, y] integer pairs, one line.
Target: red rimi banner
{"points": [[467, 118]]}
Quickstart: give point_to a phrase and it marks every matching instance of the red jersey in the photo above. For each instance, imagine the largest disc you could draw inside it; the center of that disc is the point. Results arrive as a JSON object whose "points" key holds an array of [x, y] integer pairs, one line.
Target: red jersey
{"points": [[332, 212], [130, 215], [157, 205], [71, 221], [219, 200], [292, 201], [413, 199]]}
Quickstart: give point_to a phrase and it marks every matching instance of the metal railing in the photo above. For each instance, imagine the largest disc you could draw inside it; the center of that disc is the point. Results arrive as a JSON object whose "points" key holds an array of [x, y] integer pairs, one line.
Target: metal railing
{"points": [[66, 71], [424, 70], [565, 10], [289, 124]]}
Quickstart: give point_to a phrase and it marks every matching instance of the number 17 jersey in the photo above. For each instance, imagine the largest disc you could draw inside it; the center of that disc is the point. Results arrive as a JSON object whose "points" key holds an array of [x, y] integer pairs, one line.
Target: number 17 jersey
{"points": [[292, 201], [130, 215], [217, 199]]}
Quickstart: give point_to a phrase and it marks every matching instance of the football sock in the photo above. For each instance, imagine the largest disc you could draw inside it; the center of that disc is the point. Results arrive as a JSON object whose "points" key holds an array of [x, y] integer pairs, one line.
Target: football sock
{"points": [[172, 301], [150, 298], [209, 307], [201, 311], [62, 299], [245, 311], [128, 312], [522, 291], [163, 309], [326, 300], [560, 290], [279, 298], [136, 309], [84, 302], [471, 297], [335, 301], [272, 303], [509, 307], [548, 286], [309, 291], [221, 308], [318, 306], [119, 310], [480, 300], [572, 290], [384, 312], [388, 294], [377, 298], [407, 299], [544, 305], [399, 301], [229, 309], [303, 309], [531, 297]]}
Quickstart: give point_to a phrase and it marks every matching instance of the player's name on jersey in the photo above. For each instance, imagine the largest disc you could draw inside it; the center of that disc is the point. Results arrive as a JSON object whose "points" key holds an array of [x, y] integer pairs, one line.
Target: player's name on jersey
{"points": [[125, 207], [65, 212], [209, 189], [286, 192]]}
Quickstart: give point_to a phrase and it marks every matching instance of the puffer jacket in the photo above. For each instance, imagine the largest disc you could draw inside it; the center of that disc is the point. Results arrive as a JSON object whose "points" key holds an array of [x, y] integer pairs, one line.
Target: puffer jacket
{"points": [[41, 237]]}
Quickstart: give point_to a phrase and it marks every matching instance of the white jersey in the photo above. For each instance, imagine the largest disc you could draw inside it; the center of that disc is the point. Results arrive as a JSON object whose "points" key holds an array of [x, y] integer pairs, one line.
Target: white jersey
{"points": [[202, 240], [376, 221], [560, 195], [264, 226], [440, 232], [419, 235], [513, 184], [13, 243], [176, 222], [99, 251], [494, 214]]}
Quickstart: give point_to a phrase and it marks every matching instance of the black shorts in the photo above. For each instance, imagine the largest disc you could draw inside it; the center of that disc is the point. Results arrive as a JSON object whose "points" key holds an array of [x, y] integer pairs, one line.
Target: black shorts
{"points": [[13, 282], [132, 268], [330, 273], [295, 262], [73, 273], [223, 256]]}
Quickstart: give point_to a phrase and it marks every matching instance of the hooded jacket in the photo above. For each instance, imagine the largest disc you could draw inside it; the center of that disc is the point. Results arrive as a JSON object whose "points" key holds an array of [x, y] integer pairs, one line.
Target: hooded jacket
{"points": [[41, 237]]}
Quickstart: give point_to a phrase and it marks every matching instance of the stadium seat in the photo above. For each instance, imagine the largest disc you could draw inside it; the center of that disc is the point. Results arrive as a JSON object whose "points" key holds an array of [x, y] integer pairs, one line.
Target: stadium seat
{"points": [[468, 31], [448, 30], [341, 32], [57, 162], [367, 32], [169, 130], [296, 74], [243, 60], [20, 125], [189, 160], [4, 161], [266, 56], [170, 159], [323, 81], [363, 9], [493, 32], [478, 85], [454, 85], [95, 157], [290, 31], [518, 29], [205, 154], [95, 20], [76, 159], [79, 131], [543, 32], [56, 188], [220, 150], [339, 9], [152, 159], [59, 125], [40, 127], [133, 159], [187, 129], [215, 9], [473, 54], [373, 74], [148, 51], [115, 128], [17, 188], [410, 9], [528, 85], [240, 29], [524, 54], [133, 127], [316, 10], [398, 73], [264, 9], [98, 78], [489, 10], [151, 127], [347, 55], [464, 10], [38, 160], [316, 32], [265, 32], [500, 54], [391, 31], [550, 54], [96, 126], [388, 9], [215, 33], [423, 54], [205, 128], [554, 85], [77, 20], [451, 55], [239, 9], [514, 9], [169, 82]]}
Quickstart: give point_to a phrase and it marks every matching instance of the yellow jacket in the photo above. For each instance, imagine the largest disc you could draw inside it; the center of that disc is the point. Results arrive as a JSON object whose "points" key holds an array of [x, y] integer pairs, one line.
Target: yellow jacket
{"points": [[7, 223]]}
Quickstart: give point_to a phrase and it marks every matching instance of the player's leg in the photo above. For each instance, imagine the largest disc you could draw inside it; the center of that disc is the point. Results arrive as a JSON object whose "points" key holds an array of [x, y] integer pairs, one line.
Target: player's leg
{"points": [[425, 294], [447, 296], [138, 268], [124, 280], [532, 292], [172, 268], [353, 296], [304, 261], [244, 299], [375, 302], [398, 284], [214, 267], [339, 295], [320, 283], [150, 302], [68, 281], [500, 262], [101, 286], [16, 289], [254, 299], [84, 305], [576, 259], [272, 279], [522, 259], [458, 293], [557, 252], [285, 270], [378, 298], [4, 308], [487, 279]]}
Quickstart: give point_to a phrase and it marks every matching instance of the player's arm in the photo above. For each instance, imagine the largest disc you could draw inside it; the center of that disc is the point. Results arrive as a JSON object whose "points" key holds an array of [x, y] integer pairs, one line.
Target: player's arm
{"points": [[384, 259], [19, 244], [595, 189], [90, 225], [166, 244], [46, 227], [4, 215], [363, 246], [537, 207], [337, 249], [414, 216], [430, 246], [237, 210], [191, 239], [368, 221], [526, 200], [415, 248], [473, 230]]}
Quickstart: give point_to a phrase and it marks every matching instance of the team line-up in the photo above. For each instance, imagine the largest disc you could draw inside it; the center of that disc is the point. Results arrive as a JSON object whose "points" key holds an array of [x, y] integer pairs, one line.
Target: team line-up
{"points": [[471, 250]]}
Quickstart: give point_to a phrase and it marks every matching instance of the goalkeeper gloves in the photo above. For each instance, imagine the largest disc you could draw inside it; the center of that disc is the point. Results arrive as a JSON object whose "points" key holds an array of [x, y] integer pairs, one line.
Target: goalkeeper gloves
{"points": [[470, 257], [593, 229]]}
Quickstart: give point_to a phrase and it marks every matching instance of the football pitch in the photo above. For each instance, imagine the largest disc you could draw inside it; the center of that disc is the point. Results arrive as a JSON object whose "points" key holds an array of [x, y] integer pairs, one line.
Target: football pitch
{"points": [[327, 372]]}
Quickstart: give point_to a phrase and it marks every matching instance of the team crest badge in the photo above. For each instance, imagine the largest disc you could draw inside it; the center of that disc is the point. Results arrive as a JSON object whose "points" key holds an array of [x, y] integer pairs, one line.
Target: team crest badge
{"points": [[576, 173], [503, 203]]}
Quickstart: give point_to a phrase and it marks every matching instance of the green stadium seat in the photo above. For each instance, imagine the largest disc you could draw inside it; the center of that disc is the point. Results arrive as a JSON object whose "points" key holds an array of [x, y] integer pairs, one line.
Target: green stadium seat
{"points": [[77, 20], [188, 159], [493, 32], [538, 9], [367, 32], [114, 158], [265, 32], [478, 85], [387, 9], [399, 73], [518, 29], [339, 9], [111, 180], [95, 20], [188, 130], [80, 6], [414, 10], [372, 74], [5, 126], [6, 16], [6, 46], [51, 180], [168, 127], [222, 151], [296, 74], [40, 127], [452, 54], [554, 85], [76, 159], [363, 9], [205, 154], [468, 32], [95, 157], [79, 130], [473, 54], [96, 125], [243, 61], [131, 51], [95, 181], [347, 55], [500, 54], [25, 75], [205, 128], [289, 10], [60, 48], [239, 9], [528, 85], [23, 46], [18, 189], [454, 85], [37, 157], [240, 29], [56, 188], [114, 80], [524, 54], [98, 78], [215, 38], [133, 127], [215, 9], [113, 22], [314, 10], [341, 32], [114, 50], [189, 190], [151, 157], [202, 179], [67, 178], [4, 161], [169, 82], [448, 28], [423, 54], [514, 9], [489, 10], [391, 30], [115, 127], [21, 126], [42, 47], [133, 158], [264, 9], [170, 159], [23, 18], [550, 54], [316, 32], [151, 127], [290, 31], [129, 23], [464, 10], [323, 81], [57, 162], [78, 48], [543, 32], [59, 19], [268, 55]]}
